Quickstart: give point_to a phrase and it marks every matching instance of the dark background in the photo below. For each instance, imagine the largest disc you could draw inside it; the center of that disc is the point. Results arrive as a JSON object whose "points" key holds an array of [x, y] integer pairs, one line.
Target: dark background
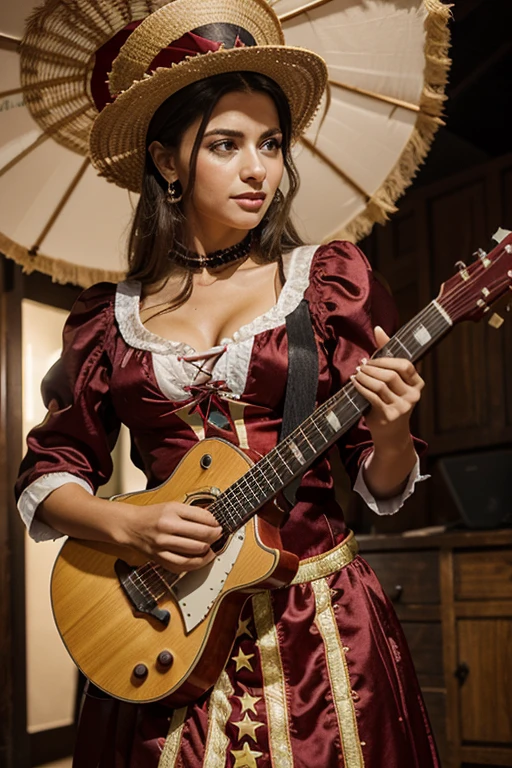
{"points": [[479, 106]]}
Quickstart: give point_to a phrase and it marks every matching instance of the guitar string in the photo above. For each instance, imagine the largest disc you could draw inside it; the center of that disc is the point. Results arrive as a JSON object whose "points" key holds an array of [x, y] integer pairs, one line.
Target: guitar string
{"points": [[303, 433], [307, 436], [449, 300]]}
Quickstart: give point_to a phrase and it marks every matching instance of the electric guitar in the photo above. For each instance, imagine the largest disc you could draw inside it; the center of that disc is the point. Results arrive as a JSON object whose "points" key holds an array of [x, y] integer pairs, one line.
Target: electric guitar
{"points": [[141, 633]]}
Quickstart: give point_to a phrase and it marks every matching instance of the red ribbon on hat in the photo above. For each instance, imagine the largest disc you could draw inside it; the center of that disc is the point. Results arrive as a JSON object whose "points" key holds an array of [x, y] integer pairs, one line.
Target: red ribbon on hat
{"points": [[187, 45]]}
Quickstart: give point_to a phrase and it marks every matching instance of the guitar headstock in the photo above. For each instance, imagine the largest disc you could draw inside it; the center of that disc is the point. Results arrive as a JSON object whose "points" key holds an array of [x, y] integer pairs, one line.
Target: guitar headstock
{"points": [[470, 293]]}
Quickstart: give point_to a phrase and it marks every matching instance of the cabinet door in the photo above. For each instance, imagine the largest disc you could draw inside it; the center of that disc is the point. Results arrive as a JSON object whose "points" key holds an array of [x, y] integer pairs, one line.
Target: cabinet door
{"points": [[486, 694]]}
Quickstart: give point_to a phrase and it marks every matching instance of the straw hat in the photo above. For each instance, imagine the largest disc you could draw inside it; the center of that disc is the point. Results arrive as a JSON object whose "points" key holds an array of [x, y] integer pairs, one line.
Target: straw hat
{"points": [[177, 36], [387, 64]]}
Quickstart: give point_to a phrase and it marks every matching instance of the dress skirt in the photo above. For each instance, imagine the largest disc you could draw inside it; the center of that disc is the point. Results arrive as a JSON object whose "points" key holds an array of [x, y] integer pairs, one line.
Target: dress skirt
{"points": [[320, 676]]}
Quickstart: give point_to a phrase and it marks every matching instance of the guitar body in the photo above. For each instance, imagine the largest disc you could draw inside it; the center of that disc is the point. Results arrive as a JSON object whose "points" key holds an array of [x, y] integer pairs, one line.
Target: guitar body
{"points": [[180, 648], [141, 634]]}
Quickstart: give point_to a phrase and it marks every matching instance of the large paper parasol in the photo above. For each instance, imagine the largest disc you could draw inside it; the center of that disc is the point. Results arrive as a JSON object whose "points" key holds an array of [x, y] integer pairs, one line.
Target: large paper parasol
{"points": [[387, 64]]}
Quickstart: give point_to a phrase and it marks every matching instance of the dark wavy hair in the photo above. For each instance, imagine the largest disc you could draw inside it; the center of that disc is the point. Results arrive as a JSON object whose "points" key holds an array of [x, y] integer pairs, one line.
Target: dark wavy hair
{"points": [[157, 225]]}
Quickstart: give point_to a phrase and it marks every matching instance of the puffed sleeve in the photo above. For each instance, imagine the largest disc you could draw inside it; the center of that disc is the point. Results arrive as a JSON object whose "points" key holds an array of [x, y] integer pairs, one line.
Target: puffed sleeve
{"points": [[73, 443], [351, 302]]}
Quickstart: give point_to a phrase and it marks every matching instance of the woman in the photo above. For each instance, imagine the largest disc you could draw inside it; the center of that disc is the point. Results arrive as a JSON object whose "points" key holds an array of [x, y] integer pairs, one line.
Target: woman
{"points": [[194, 344]]}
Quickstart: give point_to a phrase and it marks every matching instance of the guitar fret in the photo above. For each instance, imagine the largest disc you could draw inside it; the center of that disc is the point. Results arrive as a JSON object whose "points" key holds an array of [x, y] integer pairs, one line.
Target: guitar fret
{"points": [[253, 476], [313, 421], [276, 450], [243, 485], [263, 475], [352, 401], [274, 470], [142, 588], [408, 354], [332, 419], [227, 516], [303, 432]]}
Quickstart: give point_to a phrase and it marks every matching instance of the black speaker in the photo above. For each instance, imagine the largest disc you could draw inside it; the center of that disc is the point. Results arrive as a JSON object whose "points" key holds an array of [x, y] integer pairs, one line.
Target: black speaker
{"points": [[481, 487]]}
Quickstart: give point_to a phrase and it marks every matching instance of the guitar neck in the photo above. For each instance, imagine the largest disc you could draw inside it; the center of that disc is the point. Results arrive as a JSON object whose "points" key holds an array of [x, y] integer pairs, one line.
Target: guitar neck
{"points": [[322, 428]]}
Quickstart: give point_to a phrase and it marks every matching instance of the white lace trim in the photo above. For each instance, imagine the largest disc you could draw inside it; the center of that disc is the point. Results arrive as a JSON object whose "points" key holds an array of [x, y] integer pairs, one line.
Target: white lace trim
{"points": [[389, 506], [171, 372], [35, 493]]}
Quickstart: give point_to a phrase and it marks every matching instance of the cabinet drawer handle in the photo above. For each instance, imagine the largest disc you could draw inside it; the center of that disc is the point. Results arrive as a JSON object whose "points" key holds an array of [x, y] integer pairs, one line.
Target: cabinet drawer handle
{"points": [[462, 672], [397, 595]]}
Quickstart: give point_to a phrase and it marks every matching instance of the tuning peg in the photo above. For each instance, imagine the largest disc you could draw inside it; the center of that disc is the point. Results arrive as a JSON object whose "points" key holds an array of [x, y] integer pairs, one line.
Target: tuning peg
{"points": [[482, 255], [463, 270], [496, 321]]}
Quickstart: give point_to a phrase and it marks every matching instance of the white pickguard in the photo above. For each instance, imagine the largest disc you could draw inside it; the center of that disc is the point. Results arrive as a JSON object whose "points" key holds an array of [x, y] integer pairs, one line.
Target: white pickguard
{"points": [[197, 590]]}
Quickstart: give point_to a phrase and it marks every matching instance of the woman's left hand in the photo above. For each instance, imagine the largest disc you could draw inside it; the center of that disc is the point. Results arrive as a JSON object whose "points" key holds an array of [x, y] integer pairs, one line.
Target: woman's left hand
{"points": [[392, 386]]}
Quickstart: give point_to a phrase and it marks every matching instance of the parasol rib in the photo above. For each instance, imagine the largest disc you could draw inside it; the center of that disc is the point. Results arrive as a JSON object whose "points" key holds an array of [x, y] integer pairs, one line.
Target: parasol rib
{"points": [[327, 160], [43, 84], [9, 43], [305, 8], [55, 215], [13, 92], [378, 96], [35, 144]]}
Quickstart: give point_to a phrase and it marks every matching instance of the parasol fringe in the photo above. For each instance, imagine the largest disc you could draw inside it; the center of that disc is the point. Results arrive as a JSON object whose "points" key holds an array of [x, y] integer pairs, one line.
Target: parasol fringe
{"points": [[381, 204], [378, 207], [59, 270]]}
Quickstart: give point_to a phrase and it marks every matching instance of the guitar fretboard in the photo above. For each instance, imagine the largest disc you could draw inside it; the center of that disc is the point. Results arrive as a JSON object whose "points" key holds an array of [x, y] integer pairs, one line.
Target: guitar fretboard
{"points": [[320, 430]]}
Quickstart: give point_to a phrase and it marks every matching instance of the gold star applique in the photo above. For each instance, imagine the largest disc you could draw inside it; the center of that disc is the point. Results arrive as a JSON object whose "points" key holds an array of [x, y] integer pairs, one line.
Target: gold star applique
{"points": [[246, 757], [243, 628], [248, 702], [242, 660], [247, 727]]}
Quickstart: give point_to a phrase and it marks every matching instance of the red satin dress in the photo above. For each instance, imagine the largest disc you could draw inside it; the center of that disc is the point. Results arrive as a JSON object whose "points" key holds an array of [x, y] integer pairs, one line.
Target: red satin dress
{"points": [[320, 675]]}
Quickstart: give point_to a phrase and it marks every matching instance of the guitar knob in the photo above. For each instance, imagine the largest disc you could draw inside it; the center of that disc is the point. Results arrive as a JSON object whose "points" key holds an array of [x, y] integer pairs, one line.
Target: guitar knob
{"points": [[140, 672], [165, 659], [206, 461]]}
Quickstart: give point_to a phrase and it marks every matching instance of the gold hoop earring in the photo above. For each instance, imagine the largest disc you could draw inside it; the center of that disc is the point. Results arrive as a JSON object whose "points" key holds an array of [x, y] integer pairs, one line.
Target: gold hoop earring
{"points": [[174, 193]]}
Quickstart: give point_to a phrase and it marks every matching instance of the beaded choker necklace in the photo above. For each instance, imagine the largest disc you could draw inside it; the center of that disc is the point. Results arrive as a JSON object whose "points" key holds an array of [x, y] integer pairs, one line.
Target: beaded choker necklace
{"points": [[235, 252]]}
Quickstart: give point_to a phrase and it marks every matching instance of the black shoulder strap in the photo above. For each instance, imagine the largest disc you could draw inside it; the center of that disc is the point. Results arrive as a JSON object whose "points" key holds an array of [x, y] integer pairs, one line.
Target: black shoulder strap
{"points": [[302, 380]]}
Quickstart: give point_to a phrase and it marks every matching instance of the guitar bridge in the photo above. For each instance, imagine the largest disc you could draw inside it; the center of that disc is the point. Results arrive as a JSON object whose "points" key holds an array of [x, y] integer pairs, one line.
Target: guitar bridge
{"points": [[138, 595]]}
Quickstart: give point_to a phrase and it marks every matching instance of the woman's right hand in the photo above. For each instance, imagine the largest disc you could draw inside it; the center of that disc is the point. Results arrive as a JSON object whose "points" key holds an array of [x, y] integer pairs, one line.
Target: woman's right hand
{"points": [[177, 536]]}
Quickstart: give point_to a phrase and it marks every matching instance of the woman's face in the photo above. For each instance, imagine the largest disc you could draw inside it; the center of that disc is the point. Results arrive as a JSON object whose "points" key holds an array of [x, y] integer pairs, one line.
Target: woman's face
{"points": [[239, 164]]}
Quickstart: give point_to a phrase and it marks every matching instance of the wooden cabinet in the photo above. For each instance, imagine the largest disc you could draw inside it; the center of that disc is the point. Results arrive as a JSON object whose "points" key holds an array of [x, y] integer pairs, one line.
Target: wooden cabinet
{"points": [[468, 399], [453, 595]]}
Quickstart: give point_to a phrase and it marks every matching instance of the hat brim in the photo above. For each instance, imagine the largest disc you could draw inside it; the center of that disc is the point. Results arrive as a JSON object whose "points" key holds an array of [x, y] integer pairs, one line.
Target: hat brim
{"points": [[118, 137]]}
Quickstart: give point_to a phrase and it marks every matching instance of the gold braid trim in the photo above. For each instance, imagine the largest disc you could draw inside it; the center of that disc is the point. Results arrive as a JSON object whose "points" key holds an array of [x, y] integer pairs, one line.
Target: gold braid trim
{"points": [[328, 562], [219, 712], [273, 682], [337, 668], [173, 742]]}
